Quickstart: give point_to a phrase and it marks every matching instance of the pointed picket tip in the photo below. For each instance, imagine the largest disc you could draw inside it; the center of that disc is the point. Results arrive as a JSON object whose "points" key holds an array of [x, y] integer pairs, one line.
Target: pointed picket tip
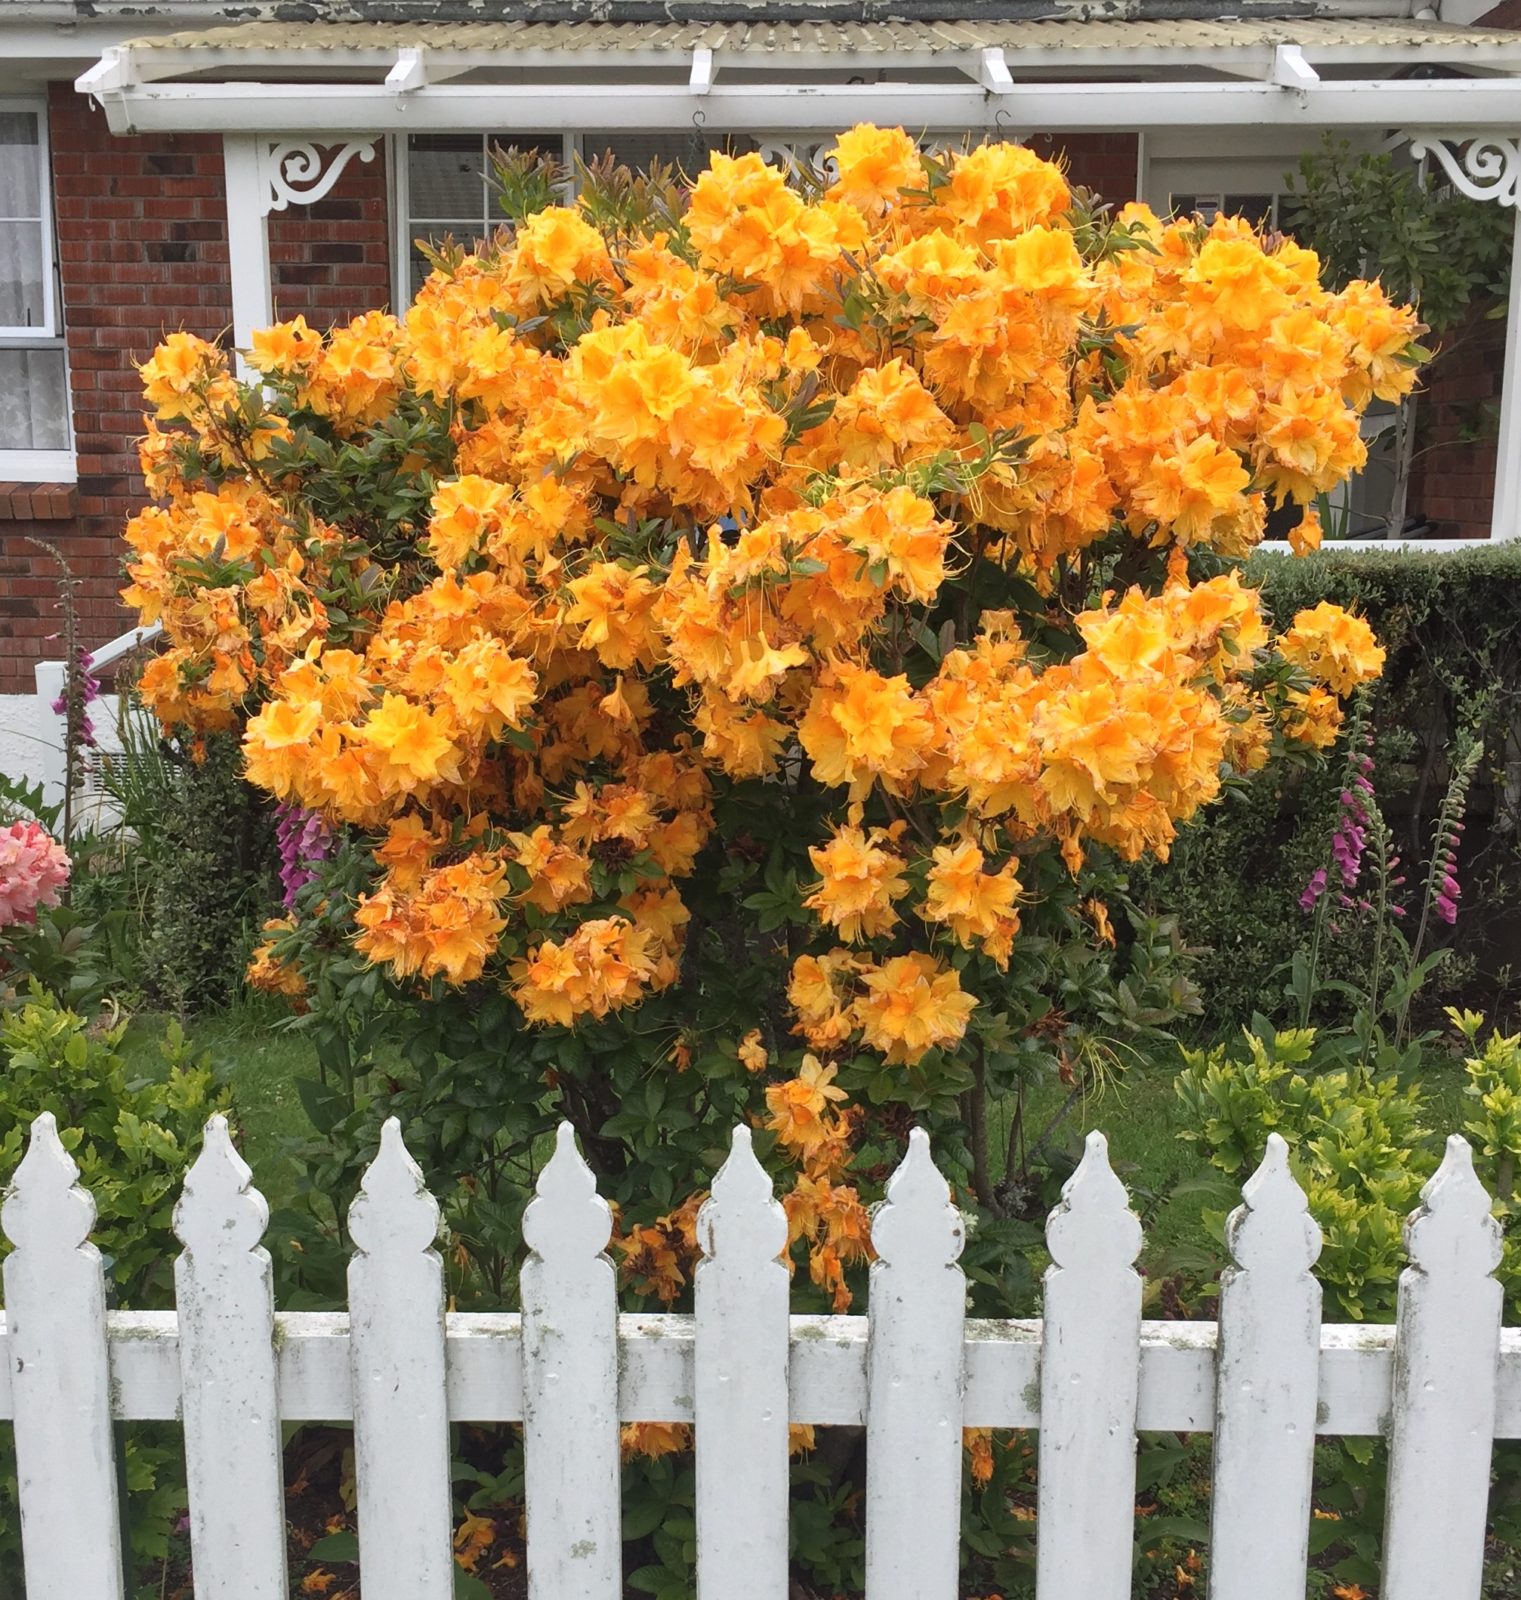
{"points": [[741, 1218], [44, 1205], [393, 1209], [1093, 1225], [1453, 1231], [567, 1219], [917, 1224], [219, 1209], [1273, 1230]]}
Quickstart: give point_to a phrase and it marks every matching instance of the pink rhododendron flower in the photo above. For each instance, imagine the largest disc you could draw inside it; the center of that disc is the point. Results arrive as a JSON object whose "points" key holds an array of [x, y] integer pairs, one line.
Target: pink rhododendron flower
{"points": [[34, 868]]}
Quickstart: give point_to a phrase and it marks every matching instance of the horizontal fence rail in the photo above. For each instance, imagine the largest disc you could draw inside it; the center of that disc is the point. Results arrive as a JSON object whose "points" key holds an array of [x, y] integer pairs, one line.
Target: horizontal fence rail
{"points": [[1441, 1384]]}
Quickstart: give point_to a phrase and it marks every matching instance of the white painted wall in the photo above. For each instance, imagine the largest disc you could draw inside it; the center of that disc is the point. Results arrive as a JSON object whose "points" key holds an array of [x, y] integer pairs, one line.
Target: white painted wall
{"points": [[31, 743]]}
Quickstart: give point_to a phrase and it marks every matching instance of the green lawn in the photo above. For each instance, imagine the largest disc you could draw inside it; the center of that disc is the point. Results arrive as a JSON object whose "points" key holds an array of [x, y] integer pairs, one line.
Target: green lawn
{"points": [[253, 1048]]}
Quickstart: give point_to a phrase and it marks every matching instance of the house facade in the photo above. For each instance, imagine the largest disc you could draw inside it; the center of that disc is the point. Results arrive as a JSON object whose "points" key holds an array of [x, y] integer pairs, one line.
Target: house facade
{"points": [[206, 165]]}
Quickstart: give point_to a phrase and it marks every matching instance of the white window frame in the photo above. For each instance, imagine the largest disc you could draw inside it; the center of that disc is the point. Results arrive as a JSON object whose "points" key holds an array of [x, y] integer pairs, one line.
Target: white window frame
{"points": [[42, 466]]}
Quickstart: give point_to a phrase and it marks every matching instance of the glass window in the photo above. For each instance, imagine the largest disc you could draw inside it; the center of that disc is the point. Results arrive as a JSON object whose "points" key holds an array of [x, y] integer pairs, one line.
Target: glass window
{"points": [[449, 189], [24, 289], [34, 384], [34, 400], [1259, 209], [687, 151]]}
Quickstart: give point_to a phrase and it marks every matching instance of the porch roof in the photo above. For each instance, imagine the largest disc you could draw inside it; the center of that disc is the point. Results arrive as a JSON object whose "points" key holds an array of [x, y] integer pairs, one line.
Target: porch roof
{"points": [[1129, 44], [1049, 75]]}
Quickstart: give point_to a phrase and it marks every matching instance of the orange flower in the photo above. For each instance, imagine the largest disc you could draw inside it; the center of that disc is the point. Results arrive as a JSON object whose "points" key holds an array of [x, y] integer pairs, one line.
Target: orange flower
{"points": [[654, 1439], [911, 1005], [861, 879], [799, 1107], [1334, 647], [606, 964], [861, 727]]}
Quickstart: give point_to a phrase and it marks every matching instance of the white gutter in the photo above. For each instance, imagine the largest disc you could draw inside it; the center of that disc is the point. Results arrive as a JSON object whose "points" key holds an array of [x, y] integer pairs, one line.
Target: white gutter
{"points": [[314, 109]]}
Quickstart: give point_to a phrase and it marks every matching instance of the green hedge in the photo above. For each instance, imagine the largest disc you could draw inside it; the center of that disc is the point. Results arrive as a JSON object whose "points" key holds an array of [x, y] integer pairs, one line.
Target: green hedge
{"points": [[1451, 624], [213, 862]]}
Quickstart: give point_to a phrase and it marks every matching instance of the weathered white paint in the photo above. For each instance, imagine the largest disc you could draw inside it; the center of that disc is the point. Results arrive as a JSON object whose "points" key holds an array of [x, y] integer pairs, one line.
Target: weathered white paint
{"points": [[1093, 1374], [1089, 1384], [1268, 1365], [396, 1350], [742, 1291], [570, 1386], [247, 190], [55, 1300], [826, 1372], [233, 106], [1447, 1338], [224, 1289], [916, 1315]]}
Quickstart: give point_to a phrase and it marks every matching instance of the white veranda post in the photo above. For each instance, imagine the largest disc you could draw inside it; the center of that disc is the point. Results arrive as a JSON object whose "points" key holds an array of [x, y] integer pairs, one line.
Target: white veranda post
{"points": [[1487, 166], [265, 174]]}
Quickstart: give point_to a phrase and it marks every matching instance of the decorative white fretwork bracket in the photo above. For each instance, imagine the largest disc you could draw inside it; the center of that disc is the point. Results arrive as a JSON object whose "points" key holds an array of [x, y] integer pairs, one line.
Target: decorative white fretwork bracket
{"points": [[1484, 166], [301, 172]]}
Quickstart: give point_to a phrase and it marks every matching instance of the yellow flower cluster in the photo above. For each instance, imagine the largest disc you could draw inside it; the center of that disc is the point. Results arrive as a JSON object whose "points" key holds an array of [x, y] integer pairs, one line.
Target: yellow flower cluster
{"points": [[720, 501], [902, 1006]]}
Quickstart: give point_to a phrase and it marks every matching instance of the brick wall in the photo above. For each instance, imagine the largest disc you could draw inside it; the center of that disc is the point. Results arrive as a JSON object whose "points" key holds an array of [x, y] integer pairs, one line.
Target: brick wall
{"points": [[1453, 479], [1103, 162], [332, 260], [142, 245]]}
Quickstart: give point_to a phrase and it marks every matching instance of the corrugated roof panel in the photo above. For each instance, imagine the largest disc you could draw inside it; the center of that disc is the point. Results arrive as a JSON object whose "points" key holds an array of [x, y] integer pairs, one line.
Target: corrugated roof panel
{"points": [[823, 37]]}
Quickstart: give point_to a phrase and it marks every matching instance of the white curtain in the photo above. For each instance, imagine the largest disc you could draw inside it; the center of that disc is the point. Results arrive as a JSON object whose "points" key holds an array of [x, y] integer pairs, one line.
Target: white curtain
{"points": [[34, 389], [22, 303], [34, 400]]}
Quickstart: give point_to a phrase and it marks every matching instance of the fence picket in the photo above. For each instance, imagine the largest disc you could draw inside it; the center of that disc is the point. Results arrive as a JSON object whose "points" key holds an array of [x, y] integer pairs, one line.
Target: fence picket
{"points": [[742, 1294], [916, 1314], [1089, 1383], [570, 1386], [1444, 1383], [401, 1420], [1446, 1352], [55, 1308], [224, 1291], [1268, 1369]]}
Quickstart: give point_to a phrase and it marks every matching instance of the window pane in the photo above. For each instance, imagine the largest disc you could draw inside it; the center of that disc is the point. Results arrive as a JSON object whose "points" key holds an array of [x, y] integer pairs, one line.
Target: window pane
{"points": [[1258, 209], [34, 400], [446, 172], [1204, 206], [21, 303], [687, 151], [445, 176], [20, 165], [547, 144]]}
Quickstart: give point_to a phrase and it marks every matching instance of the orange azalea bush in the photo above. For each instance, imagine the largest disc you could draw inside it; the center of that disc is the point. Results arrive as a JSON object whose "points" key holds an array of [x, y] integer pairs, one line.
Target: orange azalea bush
{"points": [[738, 635]]}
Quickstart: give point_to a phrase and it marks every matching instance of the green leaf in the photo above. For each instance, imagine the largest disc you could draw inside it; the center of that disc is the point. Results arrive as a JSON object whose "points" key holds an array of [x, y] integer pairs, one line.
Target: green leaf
{"points": [[335, 1547]]}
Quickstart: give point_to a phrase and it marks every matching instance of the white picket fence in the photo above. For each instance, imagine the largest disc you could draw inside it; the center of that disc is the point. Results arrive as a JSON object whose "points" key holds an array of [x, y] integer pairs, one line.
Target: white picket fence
{"points": [[1441, 1385]]}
